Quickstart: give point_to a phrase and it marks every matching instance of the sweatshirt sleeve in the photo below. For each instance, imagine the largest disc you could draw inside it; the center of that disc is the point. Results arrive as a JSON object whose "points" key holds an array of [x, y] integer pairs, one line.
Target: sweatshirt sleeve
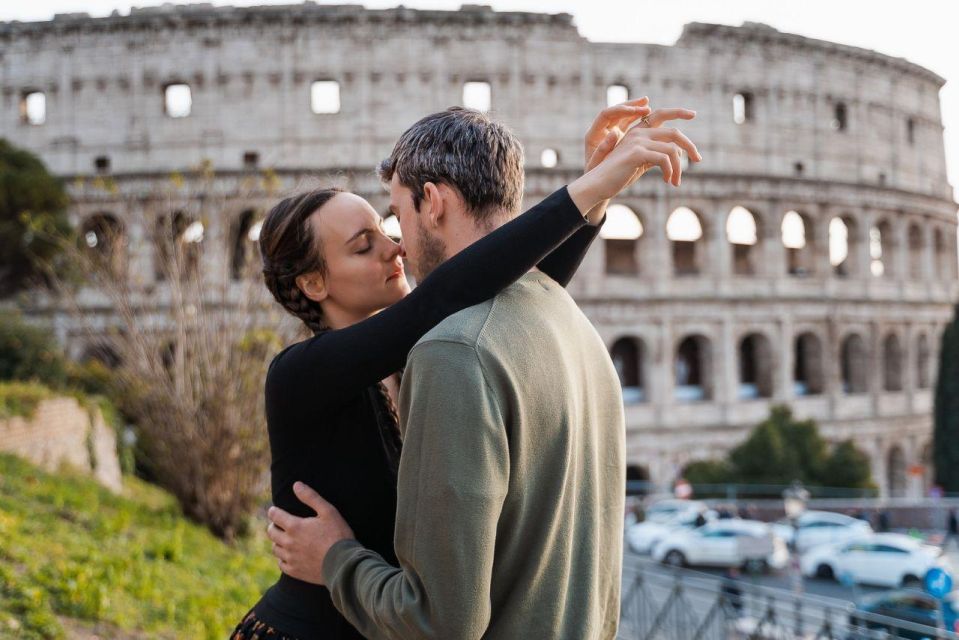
{"points": [[453, 479], [335, 363]]}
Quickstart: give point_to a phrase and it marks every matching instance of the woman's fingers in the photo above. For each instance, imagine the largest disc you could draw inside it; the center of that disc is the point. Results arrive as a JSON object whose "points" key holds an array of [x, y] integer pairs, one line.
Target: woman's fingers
{"points": [[658, 116], [607, 145], [658, 159], [668, 134], [672, 152]]}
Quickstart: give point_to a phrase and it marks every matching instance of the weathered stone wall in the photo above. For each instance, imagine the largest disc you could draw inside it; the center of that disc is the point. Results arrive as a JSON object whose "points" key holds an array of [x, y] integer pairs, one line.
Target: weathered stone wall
{"points": [[250, 72], [61, 432]]}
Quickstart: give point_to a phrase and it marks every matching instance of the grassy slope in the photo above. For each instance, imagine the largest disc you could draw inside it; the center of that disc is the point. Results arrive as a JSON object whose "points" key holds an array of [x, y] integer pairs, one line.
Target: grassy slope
{"points": [[71, 549]]}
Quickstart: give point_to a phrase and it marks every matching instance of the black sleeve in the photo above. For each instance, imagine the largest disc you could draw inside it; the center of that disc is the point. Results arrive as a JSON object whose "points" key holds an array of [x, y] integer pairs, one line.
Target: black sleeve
{"points": [[563, 263], [342, 361]]}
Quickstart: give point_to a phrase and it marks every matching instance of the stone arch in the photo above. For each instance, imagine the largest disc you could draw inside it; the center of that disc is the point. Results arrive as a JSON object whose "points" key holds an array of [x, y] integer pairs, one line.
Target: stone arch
{"points": [[854, 361], [799, 240], [923, 362], [917, 248], [629, 358], [744, 232], [897, 481], [621, 234], [693, 369], [178, 239], [808, 365], [684, 229], [892, 363], [844, 246], [102, 352], [756, 367], [103, 237], [243, 243]]}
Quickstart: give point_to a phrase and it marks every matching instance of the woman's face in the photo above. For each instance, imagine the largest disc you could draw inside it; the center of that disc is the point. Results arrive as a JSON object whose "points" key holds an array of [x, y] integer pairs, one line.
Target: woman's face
{"points": [[364, 266]]}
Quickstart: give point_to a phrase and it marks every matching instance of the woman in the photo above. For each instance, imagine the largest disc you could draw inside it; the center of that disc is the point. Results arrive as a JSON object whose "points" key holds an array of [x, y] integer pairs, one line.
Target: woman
{"points": [[331, 418]]}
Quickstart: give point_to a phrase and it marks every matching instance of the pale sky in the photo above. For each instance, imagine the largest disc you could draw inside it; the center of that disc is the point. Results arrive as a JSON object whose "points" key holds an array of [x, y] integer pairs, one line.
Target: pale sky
{"points": [[922, 31]]}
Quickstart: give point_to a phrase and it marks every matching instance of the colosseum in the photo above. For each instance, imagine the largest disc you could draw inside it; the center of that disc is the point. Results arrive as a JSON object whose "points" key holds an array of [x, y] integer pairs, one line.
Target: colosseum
{"points": [[810, 260]]}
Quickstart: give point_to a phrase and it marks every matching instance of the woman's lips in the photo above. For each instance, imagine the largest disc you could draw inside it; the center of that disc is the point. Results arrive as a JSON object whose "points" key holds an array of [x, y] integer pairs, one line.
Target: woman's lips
{"points": [[395, 274]]}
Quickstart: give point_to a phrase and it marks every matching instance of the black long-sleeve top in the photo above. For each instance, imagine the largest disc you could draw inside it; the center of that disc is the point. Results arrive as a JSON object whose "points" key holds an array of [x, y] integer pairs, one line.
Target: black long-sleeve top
{"points": [[322, 397]]}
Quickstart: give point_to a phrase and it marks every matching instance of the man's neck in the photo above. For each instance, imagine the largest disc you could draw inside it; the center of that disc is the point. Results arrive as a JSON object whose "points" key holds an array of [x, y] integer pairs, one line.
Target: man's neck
{"points": [[467, 234]]}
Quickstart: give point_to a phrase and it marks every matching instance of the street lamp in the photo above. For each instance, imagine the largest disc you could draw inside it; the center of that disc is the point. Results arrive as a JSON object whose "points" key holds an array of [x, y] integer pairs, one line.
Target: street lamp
{"points": [[794, 503]]}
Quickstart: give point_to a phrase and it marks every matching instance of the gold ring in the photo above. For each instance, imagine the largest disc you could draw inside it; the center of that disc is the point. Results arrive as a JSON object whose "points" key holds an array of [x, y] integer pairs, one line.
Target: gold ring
{"points": [[645, 121]]}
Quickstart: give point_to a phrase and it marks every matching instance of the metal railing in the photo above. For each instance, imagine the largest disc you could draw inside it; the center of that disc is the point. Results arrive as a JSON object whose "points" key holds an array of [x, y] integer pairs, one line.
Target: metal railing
{"points": [[685, 605]]}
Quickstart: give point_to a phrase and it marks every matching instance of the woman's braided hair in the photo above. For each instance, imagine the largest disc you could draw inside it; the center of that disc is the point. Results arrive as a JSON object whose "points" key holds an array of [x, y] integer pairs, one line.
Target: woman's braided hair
{"points": [[290, 249]]}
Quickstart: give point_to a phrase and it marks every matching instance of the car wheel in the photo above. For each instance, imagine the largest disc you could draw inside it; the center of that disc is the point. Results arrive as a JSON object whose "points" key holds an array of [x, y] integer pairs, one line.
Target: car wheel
{"points": [[675, 559], [755, 565], [911, 582], [825, 571]]}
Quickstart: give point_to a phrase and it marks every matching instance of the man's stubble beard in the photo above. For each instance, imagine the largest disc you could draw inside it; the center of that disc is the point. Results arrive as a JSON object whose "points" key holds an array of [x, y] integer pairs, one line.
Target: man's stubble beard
{"points": [[432, 252]]}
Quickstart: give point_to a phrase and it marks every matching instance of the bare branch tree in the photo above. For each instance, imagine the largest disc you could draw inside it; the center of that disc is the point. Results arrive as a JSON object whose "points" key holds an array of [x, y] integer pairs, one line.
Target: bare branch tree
{"points": [[191, 348]]}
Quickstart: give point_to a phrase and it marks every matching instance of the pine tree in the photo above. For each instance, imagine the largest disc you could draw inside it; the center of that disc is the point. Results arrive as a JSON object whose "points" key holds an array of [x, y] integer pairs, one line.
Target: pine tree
{"points": [[945, 440]]}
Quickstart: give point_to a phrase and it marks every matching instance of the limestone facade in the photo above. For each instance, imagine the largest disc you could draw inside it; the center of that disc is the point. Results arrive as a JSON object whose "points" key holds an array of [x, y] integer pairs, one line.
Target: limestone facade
{"points": [[707, 333]]}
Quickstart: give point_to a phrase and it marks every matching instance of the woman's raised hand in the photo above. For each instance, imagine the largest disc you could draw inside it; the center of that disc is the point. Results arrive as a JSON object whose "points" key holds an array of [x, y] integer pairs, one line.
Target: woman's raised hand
{"points": [[620, 158]]}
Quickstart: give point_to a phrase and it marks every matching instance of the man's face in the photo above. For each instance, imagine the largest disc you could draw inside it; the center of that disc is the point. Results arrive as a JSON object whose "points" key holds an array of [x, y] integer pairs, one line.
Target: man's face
{"points": [[424, 250]]}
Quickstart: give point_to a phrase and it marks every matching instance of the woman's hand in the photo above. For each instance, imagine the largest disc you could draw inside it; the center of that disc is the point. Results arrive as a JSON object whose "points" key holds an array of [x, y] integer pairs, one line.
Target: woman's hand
{"points": [[611, 120], [620, 159]]}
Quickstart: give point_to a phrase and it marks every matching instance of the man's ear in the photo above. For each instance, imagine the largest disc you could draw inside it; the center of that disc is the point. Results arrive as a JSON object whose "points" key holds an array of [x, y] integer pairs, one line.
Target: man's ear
{"points": [[313, 286], [433, 205]]}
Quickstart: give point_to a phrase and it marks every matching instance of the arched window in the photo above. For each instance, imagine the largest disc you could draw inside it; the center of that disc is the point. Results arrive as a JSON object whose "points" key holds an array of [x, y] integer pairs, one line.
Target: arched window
{"points": [[178, 239], [755, 367], [616, 94], [808, 366], [246, 233], [798, 240], [621, 234], [685, 231], [923, 359], [692, 370], [33, 107], [853, 365], [842, 247], [325, 97], [742, 234], [478, 95], [840, 120], [627, 357], [882, 251], [896, 472], [917, 247], [743, 107], [177, 100], [391, 226], [103, 238], [892, 363]]}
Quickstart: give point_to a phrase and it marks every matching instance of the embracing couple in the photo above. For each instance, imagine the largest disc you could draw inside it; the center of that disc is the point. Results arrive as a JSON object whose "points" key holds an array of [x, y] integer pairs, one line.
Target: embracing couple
{"points": [[449, 462]]}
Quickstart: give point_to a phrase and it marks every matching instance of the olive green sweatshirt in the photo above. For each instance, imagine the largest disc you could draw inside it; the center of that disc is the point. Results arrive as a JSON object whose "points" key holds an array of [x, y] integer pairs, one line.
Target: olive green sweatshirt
{"points": [[511, 482]]}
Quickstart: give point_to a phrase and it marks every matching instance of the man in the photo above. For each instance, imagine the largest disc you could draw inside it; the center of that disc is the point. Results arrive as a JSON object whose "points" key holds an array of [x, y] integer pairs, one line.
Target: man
{"points": [[511, 482]]}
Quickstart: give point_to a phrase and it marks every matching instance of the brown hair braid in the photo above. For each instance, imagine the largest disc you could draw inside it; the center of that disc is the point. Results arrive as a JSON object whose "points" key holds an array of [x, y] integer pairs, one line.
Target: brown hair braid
{"points": [[289, 249]]}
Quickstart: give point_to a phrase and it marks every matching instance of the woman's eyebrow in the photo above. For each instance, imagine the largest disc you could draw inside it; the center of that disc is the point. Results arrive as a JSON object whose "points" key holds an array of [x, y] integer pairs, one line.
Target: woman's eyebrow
{"points": [[358, 234]]}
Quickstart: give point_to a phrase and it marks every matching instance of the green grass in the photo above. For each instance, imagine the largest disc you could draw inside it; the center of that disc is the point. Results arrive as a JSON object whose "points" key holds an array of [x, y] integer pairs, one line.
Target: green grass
{"points": [[70, 549]]}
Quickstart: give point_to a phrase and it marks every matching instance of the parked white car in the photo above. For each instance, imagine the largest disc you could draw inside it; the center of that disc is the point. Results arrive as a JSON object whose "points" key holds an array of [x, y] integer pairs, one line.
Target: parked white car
{"points": [[822, 527], [642, 537], [664, 510], [724, 543], [882, 559]]}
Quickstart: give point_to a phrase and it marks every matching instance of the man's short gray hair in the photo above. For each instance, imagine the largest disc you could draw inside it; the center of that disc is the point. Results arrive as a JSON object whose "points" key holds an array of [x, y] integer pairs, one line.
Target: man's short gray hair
{"points": [[464, 149]]}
